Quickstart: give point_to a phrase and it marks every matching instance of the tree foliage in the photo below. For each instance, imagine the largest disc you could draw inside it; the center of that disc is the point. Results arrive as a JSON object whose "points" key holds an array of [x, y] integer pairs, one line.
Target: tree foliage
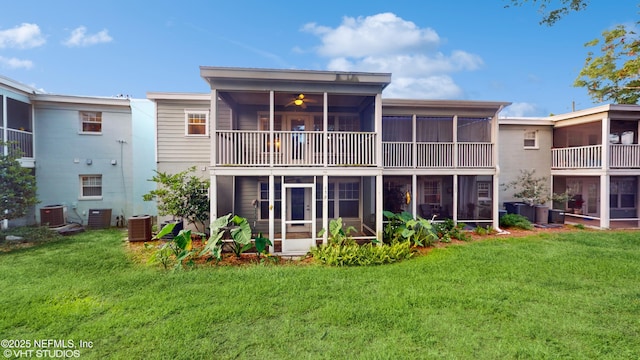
{"points": [[181, 195], [552, 12], [17, 185], [614, 74]]}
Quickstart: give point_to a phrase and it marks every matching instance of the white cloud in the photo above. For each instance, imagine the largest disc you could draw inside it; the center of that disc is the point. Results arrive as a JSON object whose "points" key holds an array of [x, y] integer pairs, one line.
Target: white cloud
{"points": [[14, 63], [388, 43], [24, 36], [79, 37], [519, 109]]}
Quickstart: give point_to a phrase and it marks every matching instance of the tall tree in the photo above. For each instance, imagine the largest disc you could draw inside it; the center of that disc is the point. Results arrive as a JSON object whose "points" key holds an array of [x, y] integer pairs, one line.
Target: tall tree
{"points": [[615, 74], [552, 12], [17, 185]]}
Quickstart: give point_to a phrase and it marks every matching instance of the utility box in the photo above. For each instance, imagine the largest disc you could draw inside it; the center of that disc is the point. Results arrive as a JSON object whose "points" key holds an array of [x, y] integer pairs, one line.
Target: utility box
{"points": [[140, 228], [556, 216], [52, 215], [521, 208], [99, 219]]}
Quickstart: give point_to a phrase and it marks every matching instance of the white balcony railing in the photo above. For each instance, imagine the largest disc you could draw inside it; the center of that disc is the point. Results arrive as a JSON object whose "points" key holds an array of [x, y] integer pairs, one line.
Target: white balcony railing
{"points": [[20, 139], [624, 156], [295, 148], [437, 155], [579, 157]]}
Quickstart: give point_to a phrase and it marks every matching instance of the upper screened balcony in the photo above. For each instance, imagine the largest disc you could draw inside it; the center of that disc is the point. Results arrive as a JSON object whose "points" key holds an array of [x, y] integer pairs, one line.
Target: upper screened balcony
{"points": [[17, 129], [439, 134], [611, 143], [286, 118]]}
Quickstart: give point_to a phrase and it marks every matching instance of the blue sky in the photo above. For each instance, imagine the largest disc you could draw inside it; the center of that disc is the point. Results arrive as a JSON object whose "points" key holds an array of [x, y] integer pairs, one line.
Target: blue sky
{"points": [[466, 49]]}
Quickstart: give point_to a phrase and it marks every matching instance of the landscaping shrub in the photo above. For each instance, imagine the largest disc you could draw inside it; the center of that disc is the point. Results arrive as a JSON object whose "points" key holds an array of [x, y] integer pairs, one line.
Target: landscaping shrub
{"points": [[515, 221], [448, 230], [362, 255]]}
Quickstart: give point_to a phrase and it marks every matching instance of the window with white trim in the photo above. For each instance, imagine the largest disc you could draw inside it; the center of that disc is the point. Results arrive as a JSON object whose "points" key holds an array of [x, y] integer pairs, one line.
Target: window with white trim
{"points": [[91, 187], [531, 139], [349, 199], [90, 122], [263, 206], [197, 123], [622, 194], [431, 191]]}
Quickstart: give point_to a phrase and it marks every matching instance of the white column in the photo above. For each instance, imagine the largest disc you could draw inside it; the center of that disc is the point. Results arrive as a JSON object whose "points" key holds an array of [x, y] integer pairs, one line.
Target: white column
{"points": [[325, 134], [213, 127], [414, 145], [213, 197], [378, 131], [455, 198], [455, 145], [414, 195], [272, 228], [5, 131], [379, 207], [604, 201], [271, 137], [325, 208], [606, 123]]}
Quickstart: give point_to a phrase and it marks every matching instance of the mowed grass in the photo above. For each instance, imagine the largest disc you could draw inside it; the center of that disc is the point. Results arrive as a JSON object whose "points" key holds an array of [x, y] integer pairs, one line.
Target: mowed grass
{"points": [[573, 295]]}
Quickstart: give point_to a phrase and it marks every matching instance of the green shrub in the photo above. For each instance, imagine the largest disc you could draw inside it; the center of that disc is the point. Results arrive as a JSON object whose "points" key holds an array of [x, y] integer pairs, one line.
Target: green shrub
{"points": [[515, 221], [362, 255], [448, 230], [32, 234]]}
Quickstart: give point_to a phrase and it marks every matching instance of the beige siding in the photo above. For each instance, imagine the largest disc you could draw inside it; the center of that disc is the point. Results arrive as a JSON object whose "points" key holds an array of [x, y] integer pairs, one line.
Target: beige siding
{"points": [[514, 157], [173, 145]]}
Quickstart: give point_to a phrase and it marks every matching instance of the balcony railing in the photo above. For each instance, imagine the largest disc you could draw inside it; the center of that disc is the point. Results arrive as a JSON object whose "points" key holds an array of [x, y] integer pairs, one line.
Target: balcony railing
{"points": [[20, 139], [295, 148], [437, 155], [624, 156], [590, 157]]}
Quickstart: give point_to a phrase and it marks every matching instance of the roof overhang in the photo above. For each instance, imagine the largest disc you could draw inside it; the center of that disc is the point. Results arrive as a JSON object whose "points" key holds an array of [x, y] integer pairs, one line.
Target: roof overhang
{"points": [[178, 96], [82, 100], [253, 79], [476, 108]]}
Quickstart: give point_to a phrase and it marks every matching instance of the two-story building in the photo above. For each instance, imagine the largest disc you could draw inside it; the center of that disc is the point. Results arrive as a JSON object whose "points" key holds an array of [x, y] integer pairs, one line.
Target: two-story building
{"points": [[290, 150], [86, 152]]}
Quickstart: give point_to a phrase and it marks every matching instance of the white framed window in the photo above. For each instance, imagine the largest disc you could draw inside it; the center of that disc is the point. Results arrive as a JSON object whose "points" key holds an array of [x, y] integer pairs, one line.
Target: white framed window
{"points": [[530, 139], [90, 187], [196, 123], [90, 122], [484, 190], [431, 192], [349, 199], [263, 203]]}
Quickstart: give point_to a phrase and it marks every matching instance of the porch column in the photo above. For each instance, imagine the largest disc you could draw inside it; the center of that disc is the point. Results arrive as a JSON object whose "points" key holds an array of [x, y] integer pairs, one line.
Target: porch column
{"points": [[378, 131], [414, 145], [271, 137], [455, 198], [496, 199], [604, 201], [213, 152], [325, 208], [272, 228], [325, 136], [379, 207], [5, 134], [606, 129], [455, 147], [213, 197], [414, 195]]}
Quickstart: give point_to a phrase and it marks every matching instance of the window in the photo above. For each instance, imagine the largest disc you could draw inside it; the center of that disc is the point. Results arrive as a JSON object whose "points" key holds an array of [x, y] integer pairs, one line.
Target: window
{"points": [[90, 187], [348, 199], [431, 190], [90, 122], [531, 139], [484, 190], [622, 193], [197, 123], [264, 201]]}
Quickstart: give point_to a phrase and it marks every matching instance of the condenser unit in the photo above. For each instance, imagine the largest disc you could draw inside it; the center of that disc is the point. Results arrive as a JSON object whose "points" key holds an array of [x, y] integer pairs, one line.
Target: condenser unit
{"points": [[140, 228], [52, 215], [99, 219]]}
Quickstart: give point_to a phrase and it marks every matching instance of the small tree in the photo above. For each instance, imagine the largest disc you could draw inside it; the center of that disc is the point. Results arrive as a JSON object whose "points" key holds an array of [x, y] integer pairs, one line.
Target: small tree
{"points": [[533, 190], [17, 185], [181, 195]]}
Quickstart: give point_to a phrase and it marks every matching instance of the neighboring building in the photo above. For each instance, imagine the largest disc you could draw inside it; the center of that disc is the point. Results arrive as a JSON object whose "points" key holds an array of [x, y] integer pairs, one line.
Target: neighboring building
{"points": [[86, 152], [291, 149]]}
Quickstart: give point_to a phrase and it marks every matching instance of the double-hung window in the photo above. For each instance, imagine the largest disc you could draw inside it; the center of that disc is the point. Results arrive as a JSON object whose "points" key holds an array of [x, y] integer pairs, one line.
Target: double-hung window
{"points": [[90, 122], [90, 187], [531, 139], [197, 123]]}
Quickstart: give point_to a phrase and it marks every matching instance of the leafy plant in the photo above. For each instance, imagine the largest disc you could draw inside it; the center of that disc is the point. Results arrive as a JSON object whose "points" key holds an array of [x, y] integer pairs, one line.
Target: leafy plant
{"points": [[182, 196], [515, 221], [403, 227], [17, 184], [362, 255], [179, 247], [338, 235], [239, 231], [261, 243], [533, 190], [448, 229]]}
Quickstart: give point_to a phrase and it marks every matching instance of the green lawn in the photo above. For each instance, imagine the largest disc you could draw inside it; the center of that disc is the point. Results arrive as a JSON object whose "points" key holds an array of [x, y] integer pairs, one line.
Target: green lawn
{"points": [[573, 295]]}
